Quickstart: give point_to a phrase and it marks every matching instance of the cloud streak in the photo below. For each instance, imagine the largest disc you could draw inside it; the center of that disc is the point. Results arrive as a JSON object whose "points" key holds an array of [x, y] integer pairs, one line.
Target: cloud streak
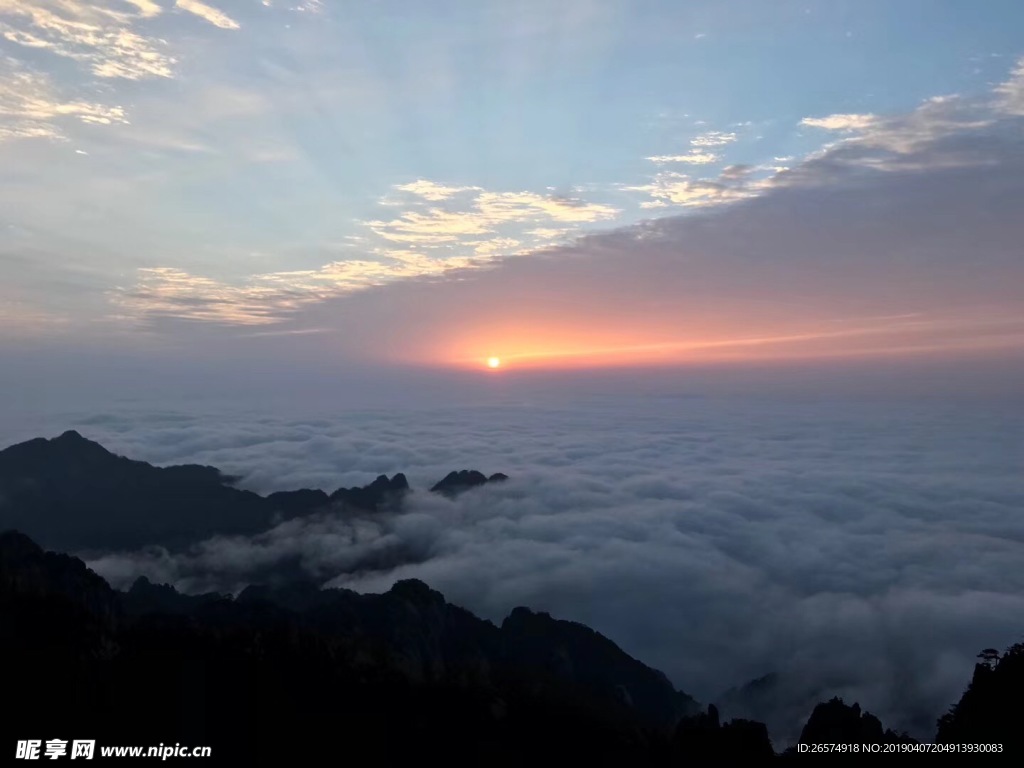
{"points": [[483, 213], [461, 237], [208, 13], [30, 106], [98, 37], [1010, 93], [713, 139], [844, 123], [693, 158]]}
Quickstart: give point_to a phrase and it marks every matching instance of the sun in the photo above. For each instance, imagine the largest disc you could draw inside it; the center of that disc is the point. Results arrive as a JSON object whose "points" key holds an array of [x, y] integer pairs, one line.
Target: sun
{"points": [[493, 362]]}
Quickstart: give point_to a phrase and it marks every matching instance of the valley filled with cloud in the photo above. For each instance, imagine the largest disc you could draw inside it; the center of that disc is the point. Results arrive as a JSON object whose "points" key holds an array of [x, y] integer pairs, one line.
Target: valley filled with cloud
{"points": [[865, 549]]}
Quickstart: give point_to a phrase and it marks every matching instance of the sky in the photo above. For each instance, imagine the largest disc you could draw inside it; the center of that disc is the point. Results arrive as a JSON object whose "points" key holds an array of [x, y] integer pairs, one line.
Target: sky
{"points": [[753, 273], [585, 184]]}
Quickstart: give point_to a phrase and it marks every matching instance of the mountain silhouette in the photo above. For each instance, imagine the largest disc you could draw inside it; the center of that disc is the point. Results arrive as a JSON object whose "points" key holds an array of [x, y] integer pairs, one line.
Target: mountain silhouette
{"points": [[835, 722], [402, 675], [455, 483], [991, 710], [71, 493], [701, 739], [291, 674]]}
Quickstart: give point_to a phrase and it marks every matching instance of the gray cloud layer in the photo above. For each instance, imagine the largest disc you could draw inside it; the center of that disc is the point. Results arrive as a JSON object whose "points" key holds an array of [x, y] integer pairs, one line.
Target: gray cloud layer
{"points": [[860, 549]]}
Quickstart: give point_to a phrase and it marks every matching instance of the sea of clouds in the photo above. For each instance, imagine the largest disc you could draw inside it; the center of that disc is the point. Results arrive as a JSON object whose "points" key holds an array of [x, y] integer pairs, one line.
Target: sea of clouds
{"points": [[857, 548]]}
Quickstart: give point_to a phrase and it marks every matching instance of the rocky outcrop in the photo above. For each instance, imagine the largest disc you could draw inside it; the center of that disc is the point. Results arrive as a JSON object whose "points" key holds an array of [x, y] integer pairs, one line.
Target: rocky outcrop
{"points": [[576, 654], [71, 493], [289, 504], [380, 494], [834, 722], [427, 638], [991, 710], [145, 597], [458, 482], [26, 571], [701, 739]]}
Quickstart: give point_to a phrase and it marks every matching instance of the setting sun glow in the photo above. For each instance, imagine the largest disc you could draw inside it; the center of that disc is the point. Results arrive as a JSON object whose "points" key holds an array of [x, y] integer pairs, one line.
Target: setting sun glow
{"points": [[493, 362]]}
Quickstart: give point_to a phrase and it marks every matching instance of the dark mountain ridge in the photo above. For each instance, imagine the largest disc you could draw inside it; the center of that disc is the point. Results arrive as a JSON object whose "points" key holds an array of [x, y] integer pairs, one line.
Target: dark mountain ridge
{"points": [[210, 669], [288, 675], [455, 483], [71, 493]]}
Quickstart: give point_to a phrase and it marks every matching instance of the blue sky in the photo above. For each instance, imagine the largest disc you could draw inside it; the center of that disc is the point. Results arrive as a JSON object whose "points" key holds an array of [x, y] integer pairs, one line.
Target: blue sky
{"points": [[234, 164]]}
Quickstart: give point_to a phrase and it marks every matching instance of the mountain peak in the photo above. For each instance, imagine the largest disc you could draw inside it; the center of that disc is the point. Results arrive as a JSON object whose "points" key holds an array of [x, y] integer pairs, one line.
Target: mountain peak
{"points": [[15, 544], [24, 458], [380, 493], [416, 591], [455, 483], [72, 493], [73, 440]]}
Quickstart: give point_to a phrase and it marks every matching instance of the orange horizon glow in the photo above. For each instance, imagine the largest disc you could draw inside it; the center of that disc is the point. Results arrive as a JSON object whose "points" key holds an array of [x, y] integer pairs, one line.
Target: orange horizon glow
{"points": [[907, 334]]}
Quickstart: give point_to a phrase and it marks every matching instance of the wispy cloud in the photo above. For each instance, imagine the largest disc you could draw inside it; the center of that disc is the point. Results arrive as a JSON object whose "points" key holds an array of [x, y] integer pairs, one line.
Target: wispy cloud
{"points": [[496, 247], [527, 206], [713, 139], [669, 188], [548, 233], [693, 158], [309, 6], [501, 216], [426, 241], [700, 150], [433, 226], [170, 292], [147, 8], [167, 292], [936, 134], [672, 188], [431, 190], [844, 122], [30, 106], [1010, 93], [97, 36], [208, 13], [943, 131], [272, 297]]}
